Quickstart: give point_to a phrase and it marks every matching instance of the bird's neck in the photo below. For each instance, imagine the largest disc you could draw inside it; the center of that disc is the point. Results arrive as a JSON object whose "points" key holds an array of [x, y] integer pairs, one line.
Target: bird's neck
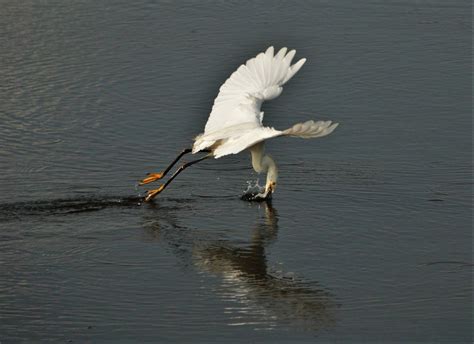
{"points": [[262, 162]]}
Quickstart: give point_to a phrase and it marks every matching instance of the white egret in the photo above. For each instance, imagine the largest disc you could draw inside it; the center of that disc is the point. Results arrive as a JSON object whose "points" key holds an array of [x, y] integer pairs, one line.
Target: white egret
{"points": [[236, 122]]}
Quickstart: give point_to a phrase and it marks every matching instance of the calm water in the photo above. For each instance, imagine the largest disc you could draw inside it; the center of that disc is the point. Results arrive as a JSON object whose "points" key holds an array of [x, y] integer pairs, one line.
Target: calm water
{"points": [[368, 237]]}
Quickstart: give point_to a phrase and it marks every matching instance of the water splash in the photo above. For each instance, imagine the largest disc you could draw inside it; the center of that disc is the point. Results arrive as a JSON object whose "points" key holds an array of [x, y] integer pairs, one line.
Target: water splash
{"points": [[140, 195], [254, 189]]}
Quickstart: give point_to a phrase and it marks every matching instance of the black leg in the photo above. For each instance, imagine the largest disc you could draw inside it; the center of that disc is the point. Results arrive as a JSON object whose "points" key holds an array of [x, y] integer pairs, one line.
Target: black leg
{"points": [[152, 193], [183, 167], [155, 176], [180, 155]]}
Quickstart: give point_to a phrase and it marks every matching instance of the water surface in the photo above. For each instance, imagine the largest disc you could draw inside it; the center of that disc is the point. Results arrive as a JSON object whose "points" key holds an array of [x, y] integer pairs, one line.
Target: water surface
{"points": [[368, 237]]}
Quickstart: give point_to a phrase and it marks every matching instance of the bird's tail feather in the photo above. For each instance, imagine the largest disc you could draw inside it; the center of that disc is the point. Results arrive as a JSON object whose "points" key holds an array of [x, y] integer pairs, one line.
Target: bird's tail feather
{"points": [[311, 129]]}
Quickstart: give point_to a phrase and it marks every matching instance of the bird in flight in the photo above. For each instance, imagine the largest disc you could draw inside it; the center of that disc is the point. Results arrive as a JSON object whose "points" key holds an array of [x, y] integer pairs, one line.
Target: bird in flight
{"points": [[236, 122]]}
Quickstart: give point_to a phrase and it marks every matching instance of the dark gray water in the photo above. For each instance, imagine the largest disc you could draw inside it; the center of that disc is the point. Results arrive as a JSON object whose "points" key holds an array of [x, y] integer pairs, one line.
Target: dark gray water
{"points": [[368, 237]]}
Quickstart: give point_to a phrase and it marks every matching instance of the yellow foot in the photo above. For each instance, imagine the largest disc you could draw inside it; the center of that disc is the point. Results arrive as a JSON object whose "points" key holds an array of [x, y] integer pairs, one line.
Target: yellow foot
{"points": [[153, 193], [151, 178]]}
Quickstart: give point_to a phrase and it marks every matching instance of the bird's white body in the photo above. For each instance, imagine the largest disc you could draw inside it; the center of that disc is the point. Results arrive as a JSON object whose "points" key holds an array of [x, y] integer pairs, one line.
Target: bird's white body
{"points": [[236, 121]]}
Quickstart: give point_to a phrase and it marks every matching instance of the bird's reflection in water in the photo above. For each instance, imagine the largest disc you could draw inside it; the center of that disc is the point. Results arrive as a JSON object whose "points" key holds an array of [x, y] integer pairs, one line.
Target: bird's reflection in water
{"points": [[255, 295]]}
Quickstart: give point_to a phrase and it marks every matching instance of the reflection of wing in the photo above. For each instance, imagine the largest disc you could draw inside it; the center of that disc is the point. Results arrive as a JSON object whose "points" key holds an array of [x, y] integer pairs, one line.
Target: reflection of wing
{"points": [[265, 299], [260, 78], [262, 299]]}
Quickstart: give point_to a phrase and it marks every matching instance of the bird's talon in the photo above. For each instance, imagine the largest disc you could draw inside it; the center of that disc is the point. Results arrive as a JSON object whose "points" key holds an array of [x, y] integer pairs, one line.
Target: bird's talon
{"points": [[151, 178], [153, 193]]}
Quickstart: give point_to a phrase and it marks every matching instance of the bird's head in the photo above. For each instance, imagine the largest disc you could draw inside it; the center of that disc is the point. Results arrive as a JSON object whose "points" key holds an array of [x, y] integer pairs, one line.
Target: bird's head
{"points": [[270, 187], [272, 177]]}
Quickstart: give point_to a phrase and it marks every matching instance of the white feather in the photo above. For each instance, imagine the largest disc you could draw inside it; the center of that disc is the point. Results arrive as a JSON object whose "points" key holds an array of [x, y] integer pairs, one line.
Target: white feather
{"points": [[265, 71], [235, 122], [311, 129]]}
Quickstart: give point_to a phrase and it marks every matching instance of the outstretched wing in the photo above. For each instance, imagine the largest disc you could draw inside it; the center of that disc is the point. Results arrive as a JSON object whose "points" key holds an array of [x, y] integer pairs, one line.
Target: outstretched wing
{"points": [[241, 96], [311, 129], [306, 130], [235, 122]]}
